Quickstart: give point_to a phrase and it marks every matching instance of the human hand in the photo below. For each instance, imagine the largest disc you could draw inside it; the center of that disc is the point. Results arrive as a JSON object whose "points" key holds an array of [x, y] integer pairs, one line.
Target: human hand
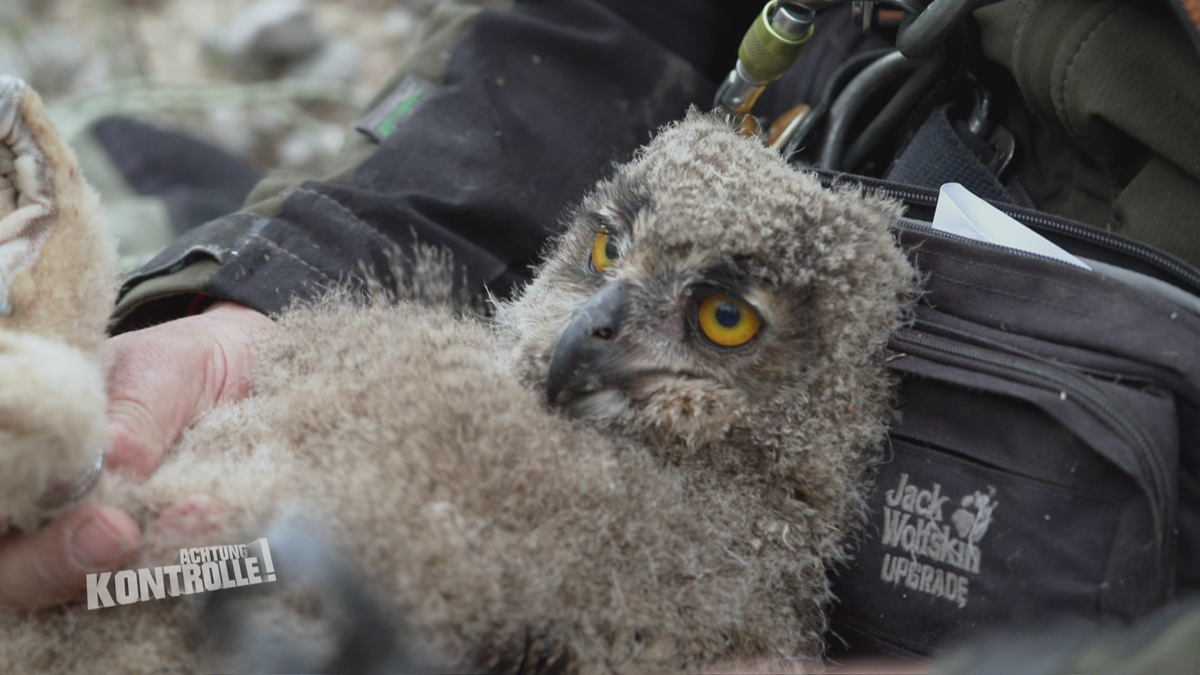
{"points": [[162, 378]]}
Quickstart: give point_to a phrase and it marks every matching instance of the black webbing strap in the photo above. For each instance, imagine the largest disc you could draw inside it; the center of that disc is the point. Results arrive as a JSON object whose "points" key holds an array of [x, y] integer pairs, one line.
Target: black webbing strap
{"points": [[936, 155]]}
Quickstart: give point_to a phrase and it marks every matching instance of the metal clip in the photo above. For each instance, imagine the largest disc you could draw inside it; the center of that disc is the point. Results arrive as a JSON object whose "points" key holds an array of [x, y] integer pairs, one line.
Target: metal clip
{"points": [[1001, 144]]}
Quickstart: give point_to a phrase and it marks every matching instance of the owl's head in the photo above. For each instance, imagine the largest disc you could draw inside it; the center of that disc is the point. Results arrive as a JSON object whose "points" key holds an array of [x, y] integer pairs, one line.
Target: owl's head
{"points": [[708, 286]]}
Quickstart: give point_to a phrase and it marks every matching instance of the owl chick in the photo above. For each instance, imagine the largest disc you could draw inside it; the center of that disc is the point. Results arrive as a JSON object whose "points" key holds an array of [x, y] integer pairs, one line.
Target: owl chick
{"points": [[647, 461]]}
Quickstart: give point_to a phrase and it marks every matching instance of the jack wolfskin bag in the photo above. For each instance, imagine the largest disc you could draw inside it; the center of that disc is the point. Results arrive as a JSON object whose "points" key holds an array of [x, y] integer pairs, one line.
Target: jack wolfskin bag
{"points": [[1044, 462]]}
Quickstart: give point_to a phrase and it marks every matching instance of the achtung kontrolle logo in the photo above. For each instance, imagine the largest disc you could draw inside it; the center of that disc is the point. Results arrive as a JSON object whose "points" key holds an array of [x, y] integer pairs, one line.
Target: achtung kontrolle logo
{"points": [[198, 570]]}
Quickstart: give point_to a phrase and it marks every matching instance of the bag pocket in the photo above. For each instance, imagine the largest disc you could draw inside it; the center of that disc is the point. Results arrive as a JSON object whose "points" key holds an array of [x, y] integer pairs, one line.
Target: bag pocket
{"points": [[1020, 489]]}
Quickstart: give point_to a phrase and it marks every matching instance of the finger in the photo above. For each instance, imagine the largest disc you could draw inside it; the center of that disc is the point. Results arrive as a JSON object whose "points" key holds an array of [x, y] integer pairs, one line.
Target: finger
{"points": [[51, 565], [156, 381], [164, 377]]}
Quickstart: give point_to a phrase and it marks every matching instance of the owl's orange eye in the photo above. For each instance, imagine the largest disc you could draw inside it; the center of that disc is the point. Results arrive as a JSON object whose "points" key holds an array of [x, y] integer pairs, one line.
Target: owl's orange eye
{"points": [[727, 321], [604, 251]]}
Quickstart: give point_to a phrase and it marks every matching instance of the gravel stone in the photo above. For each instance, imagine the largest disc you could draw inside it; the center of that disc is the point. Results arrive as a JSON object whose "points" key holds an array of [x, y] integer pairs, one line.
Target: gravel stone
{"points": [[266, 37], [337, 60]]}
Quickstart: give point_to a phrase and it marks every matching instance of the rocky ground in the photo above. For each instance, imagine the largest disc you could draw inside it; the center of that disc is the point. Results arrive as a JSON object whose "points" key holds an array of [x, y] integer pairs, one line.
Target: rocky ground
{"points": [[276, 81]]}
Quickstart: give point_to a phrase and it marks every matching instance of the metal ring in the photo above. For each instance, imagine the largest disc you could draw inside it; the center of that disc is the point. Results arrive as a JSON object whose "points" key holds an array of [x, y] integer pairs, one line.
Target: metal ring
{"points": [[789, 26], [68, 491]]}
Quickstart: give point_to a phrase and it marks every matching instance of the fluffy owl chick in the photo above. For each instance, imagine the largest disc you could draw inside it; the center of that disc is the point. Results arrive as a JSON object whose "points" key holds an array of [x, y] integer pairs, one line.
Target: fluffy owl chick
{"points": [[727, 314], [647, 462]]}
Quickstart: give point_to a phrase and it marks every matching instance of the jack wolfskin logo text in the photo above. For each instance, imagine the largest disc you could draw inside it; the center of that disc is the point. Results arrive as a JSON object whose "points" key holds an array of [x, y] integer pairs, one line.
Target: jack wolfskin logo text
{"points": [[914, 522]]}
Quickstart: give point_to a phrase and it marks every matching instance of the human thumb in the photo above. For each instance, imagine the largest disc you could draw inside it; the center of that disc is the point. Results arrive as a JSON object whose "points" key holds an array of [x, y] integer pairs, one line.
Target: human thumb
{"points": [[163, 377]]}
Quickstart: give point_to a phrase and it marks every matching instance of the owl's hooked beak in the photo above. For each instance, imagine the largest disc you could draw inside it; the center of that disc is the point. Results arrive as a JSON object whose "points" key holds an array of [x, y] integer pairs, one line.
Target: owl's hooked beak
{"points": [[586, 354]]}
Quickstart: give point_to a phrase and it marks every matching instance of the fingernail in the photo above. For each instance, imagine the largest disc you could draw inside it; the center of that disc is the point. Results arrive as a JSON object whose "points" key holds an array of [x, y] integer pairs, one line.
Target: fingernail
{"points": [[96, 545]]}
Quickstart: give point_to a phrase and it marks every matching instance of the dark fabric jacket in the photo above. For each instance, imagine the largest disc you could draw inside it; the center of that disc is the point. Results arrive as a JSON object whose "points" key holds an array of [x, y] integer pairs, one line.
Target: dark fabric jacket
{"points": [[529, 105]]}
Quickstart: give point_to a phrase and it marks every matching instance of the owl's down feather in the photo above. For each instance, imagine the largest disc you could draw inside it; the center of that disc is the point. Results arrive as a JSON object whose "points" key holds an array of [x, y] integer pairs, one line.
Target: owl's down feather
{"points": [[587, 482]]}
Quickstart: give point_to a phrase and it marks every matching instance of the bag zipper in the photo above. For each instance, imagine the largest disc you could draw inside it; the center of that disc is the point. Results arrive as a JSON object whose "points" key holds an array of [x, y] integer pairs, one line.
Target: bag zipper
{"points": [[1185, 276], [1040, 373]]}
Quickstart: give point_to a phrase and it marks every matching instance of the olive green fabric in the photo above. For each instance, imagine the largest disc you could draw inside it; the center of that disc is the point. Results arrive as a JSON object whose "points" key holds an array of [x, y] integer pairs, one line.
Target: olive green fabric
{"points": [[1115, 85], [1174, 648], [1167, 641], [176, 288], [446, 27]]}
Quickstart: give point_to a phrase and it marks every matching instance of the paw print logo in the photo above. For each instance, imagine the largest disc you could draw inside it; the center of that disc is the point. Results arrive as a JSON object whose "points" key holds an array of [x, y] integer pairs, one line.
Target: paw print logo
{"points": [[972, 525]]}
